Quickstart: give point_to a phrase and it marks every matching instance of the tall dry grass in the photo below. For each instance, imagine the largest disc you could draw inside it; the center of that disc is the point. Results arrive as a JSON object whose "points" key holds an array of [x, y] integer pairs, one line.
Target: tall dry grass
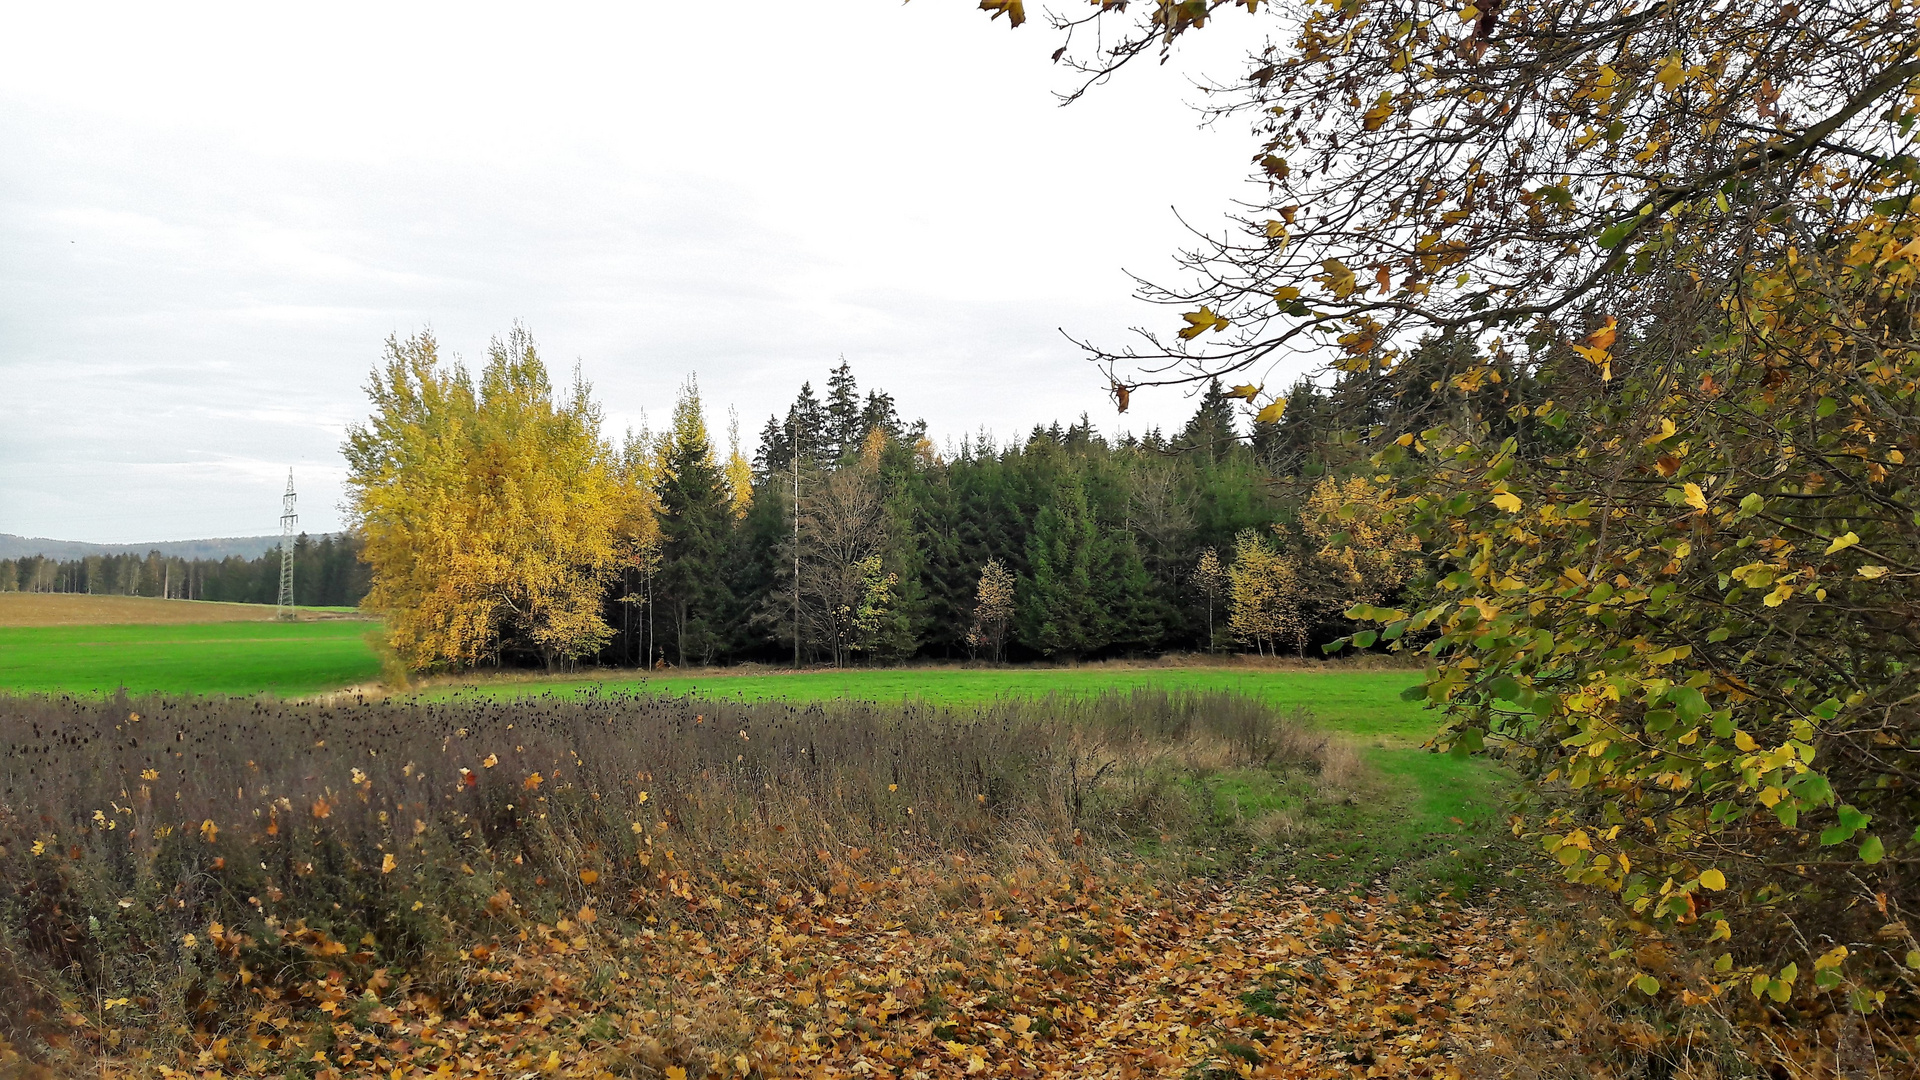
{"points": [[186, 853]]}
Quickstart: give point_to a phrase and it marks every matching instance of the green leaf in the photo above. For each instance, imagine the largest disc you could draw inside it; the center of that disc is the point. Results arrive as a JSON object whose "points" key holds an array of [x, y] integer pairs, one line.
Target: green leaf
{"points": [[1690, 703], [1365, 639], [1851, 821], [1827, 407], [1616, 234], [1647, 985], [1872, 850]]}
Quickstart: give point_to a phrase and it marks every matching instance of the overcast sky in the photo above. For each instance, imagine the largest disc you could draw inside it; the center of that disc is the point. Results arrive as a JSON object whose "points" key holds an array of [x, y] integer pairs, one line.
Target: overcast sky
{"points": [[212, 216]]}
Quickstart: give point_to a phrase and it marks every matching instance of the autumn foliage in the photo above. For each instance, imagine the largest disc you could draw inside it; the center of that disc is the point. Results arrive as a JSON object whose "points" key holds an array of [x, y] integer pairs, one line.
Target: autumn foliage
{"points": [[489, 511]]}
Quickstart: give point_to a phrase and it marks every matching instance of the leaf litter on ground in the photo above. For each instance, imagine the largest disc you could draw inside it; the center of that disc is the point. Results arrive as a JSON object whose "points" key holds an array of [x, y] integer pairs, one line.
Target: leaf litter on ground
{"points": [[1038, 972]]}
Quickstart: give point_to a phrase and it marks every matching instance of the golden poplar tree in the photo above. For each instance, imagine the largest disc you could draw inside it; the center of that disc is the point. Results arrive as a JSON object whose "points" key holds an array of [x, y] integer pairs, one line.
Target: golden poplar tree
{"points": [[992, 609], [489, 514], [1265, 595]]}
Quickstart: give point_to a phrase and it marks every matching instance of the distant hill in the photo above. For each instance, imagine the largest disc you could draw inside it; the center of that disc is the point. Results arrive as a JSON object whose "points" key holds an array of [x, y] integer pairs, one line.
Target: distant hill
{"points": [[247, 547]]}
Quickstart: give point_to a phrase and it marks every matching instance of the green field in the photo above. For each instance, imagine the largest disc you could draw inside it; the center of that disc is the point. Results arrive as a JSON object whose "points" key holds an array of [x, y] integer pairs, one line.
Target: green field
{"points": [[286, 659], [1362, 702]]}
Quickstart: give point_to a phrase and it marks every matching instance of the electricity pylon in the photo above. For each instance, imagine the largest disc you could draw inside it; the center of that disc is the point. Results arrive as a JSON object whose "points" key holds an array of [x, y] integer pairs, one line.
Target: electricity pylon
{"points": [[288, 519]]}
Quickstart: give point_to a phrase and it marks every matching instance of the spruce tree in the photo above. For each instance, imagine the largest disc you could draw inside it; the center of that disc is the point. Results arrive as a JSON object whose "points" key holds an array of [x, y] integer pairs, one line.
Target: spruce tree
{"points": [[807, 427], [1212, 430], [1058, 607], [696, 521], [843, 413]]}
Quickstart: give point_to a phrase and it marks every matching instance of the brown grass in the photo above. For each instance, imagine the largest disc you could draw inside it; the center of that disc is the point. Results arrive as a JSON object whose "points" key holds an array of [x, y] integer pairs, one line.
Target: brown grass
{"points": [[127, 825], [80, 609]]}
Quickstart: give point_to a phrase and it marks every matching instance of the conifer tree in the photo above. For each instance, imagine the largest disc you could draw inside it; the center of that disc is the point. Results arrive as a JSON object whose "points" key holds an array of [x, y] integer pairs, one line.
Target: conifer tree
{"points": [[843, 412], [1058, 615], [696, 517], [1212, 430]]}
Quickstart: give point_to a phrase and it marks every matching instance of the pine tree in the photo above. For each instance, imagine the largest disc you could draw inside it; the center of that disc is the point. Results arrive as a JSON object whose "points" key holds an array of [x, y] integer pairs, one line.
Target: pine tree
{"points": [[1058, 616], [1212, 431], [843, 413], [807, 427], [696, 518], [879, 414]]}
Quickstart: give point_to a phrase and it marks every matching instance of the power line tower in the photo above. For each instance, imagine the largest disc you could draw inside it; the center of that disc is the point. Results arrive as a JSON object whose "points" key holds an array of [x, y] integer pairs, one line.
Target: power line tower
{"points": [[288, 519]]}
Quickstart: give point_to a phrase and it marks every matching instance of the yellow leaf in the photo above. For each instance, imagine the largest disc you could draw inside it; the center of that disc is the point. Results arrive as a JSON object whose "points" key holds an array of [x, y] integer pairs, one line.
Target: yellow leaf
{"points": [[1872, 572], [1199, 322], [491, 761], [1745, 742], [209, 831], [1841, 543], [1779, 595], [1292, 292], [676, 1072], [1695, 497], [1272, 413], [588, 877], [1604, 337], [1469, 13], [1672, 74], [1247, 391], [1276, 229], [1375, 118], [1508, 501], [1338, 278], [387, 863], [1016, 13], [1713, 879]]}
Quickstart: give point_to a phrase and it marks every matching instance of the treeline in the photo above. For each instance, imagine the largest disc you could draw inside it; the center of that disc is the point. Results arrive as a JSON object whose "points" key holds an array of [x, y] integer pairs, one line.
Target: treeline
{"points": [[502, 528], [327, 572]]}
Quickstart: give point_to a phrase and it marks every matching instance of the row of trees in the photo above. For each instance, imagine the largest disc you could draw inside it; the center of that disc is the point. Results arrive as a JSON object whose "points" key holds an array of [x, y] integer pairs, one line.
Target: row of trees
{"points": [[503, 528], [327, 573]]}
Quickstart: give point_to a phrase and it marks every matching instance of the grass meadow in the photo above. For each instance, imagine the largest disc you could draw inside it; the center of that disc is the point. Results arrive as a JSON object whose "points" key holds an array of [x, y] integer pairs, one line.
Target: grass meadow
{"points": [[283, 659]]}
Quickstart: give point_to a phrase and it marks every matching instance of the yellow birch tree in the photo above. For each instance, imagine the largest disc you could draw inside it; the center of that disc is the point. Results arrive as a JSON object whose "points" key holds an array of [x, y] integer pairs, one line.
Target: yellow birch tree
{"points": [[489, 514]]}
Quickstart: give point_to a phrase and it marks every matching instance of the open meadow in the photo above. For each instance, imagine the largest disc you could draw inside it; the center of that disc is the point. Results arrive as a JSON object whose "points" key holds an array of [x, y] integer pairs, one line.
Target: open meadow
{"points": [[76, 644]]}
